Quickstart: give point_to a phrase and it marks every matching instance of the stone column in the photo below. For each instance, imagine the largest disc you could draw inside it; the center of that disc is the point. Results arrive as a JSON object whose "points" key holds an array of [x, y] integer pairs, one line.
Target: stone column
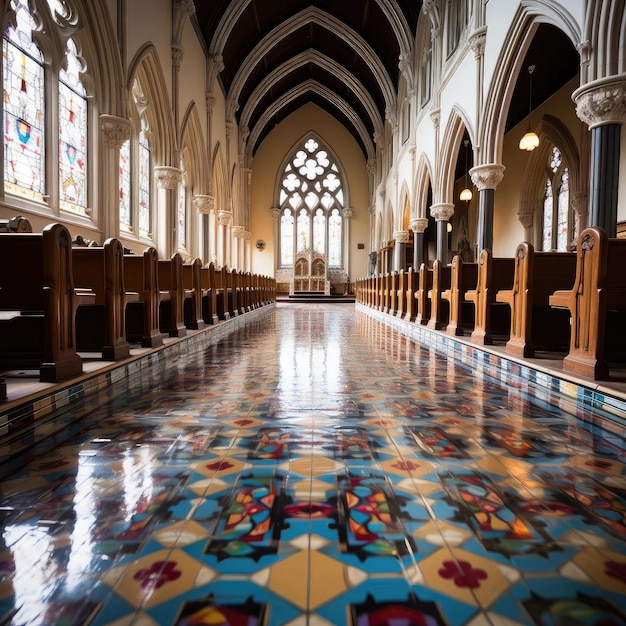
{"points": [[601, 105], [167, 178], [418, 226], [115, 131], [237, 259], [224, 220], [204, 205], [442, 213], [399, 252], [486, 178], [346, 214]]}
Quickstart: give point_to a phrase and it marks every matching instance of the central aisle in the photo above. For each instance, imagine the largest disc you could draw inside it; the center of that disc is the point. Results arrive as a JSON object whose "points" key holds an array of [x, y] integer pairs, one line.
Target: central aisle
{"points": [[318, 468]]}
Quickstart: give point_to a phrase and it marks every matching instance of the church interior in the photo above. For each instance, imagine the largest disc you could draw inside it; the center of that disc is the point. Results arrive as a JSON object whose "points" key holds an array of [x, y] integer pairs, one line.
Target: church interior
{"points": [[313, 313]]}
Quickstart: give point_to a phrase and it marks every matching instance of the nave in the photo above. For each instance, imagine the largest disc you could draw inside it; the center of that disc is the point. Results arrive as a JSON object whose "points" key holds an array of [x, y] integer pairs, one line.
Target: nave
{"points": [[318, 467]]}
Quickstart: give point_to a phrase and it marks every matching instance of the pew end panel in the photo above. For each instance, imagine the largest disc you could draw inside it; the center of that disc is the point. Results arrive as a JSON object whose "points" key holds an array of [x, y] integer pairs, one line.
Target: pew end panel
{"points": [[439, 308], [463, 277], [192, 284], [38, 301]]}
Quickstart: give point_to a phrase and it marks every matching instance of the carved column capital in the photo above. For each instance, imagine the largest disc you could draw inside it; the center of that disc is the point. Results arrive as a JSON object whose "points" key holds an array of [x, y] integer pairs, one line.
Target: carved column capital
{"points": [[275, 212], [487, 176], [346, 213], [418, 224], [401, 236], [442, 212], [526, 219], [435, 116], [167, 177], [204, 204], [478, 40], [115, 130], [224, 217], [178, 54], [238, 231], [601, 102]]}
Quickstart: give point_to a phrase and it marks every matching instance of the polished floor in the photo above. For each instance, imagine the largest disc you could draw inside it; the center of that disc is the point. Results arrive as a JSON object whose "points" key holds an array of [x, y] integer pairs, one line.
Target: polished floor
{"points": [[320, 468]]}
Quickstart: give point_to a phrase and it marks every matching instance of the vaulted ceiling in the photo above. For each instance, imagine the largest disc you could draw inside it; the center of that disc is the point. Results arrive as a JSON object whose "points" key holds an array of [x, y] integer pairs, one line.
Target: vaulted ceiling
{"points": [[278, 55]]}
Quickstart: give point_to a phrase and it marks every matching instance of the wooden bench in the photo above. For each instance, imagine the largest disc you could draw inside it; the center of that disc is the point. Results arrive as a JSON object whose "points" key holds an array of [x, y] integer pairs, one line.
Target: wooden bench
{"points": [[535, 325], [172, 309], [17, 224], [491, 318], [209, 295], [101, 326], [401, 294], [221, 293], [392, 298], [142, 316], [596, 304], [411, 286], [463, 277], [439, 308], [38, 303], [424, 285], [192, 282]]}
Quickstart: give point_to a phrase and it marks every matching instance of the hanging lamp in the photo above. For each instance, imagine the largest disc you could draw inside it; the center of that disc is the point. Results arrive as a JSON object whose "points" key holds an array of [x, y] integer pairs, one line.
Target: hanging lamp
{"points": [[466, 194], [530, 140]]}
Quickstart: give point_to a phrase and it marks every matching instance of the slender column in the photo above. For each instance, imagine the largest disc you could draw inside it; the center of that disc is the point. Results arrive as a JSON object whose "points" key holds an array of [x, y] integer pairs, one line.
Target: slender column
{"points": [[399, 252], [167, 178], [486, 178], [115, 131], [442, 213], [418, 226], [204, 204], [224, 219], [602, 106], [346, 214]]}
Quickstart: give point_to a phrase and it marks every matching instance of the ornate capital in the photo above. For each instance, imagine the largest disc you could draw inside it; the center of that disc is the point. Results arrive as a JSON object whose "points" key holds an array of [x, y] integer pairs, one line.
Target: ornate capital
{"points": [[346, 213], [442, 212], [487, 176], [601, 102], [401, 236], [178, 54], [580, 203], [115, 130], [204, 204], [275, 212], [246, 235], [435, 116], [526, 219], [224, 217], [186, 6], [391, 115], [418, 224], [478, 39], [167, 177], [238, 231], [371, 167]]}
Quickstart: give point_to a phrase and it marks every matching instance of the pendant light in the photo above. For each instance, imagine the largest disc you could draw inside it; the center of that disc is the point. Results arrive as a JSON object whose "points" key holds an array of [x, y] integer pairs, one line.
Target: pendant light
{"points": [[530, 140], [466, 194]]}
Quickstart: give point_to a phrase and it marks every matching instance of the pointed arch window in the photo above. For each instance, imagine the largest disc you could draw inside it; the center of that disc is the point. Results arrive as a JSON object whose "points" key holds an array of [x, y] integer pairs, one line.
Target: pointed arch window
{"points": [[72, 134], [24, 107], [556, 213], [311, 201], [136, 173]]}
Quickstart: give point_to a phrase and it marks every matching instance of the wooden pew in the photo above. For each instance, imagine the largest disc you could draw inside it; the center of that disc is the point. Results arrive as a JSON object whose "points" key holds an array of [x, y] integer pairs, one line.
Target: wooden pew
{"points": [[16, 224], [172, 309], [142, 316], [401, 294], [597, 305], [101, 326], [463, 277], [411, 286], [209, 295], [439, 308], [392, 286], [534, 324], [192, 282], [491, 318], [424, 285], [38, 303], [221, 294]]}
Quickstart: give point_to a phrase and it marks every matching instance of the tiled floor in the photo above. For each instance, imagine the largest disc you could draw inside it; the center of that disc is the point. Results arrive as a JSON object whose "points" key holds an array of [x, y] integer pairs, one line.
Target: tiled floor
{"points": [[320, 468]]}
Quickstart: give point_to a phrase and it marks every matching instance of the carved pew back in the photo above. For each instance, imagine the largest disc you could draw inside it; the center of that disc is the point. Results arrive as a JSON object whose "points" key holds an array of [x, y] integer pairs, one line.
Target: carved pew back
{"points": [[439, 308], [424, 285], [534, 324], [192, 286], [463, 277]]}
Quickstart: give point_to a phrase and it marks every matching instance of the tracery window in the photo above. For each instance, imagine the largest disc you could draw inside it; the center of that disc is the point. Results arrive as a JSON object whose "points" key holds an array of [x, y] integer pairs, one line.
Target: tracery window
{"points": [[556, 214], [136, 173], [72, 134], [311, 202], [24, 108]]}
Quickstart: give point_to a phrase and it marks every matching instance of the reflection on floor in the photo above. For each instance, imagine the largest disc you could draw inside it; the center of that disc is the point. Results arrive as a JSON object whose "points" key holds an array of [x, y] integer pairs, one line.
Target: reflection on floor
{"points": [[320, 468]]}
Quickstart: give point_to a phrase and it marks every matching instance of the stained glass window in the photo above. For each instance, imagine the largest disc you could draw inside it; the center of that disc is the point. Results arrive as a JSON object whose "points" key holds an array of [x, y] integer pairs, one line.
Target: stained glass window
{"points": [[547, 217], [182, 213], [145, 178], [125, 175], [24, 115], [563, 213], [286, 238], [72, 134], [312, 194], [556, 212]]}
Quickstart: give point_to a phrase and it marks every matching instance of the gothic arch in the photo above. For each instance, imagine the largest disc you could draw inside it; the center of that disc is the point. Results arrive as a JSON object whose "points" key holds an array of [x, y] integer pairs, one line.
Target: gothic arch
{"points": [[146, 68], [220, 178], [404, 208], [517, 41], [457, 124], [423, 178], [194, 153]]}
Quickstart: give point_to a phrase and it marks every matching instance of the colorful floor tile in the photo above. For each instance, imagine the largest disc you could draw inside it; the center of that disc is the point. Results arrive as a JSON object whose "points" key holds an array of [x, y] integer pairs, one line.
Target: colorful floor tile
{"points": [[321, 468]]}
